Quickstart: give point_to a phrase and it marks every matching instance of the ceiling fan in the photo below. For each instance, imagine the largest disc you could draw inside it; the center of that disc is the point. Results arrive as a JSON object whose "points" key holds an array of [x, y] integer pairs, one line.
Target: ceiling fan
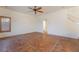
{"points": [[36, 9]]}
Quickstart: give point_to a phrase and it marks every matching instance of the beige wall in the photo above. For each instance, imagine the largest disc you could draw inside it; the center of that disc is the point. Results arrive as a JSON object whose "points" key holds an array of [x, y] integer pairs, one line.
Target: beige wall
{"points": [[21, 23], [59, 24]]}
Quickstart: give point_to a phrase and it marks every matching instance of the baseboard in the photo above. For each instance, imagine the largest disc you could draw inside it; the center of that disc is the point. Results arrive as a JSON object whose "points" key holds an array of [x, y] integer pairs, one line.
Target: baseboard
{"points": [[62, 36], [16, 35], [40, 32]]}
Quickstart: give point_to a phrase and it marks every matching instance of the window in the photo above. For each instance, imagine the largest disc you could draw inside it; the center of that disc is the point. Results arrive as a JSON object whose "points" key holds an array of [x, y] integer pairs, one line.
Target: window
{"points": [[5, 24]]}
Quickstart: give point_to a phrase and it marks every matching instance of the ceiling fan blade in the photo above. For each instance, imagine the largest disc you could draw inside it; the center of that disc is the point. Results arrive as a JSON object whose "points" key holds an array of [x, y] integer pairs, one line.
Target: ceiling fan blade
{"points": [[40, 11], [30, 8], [35, 12], [39, 8], [35, 7]]}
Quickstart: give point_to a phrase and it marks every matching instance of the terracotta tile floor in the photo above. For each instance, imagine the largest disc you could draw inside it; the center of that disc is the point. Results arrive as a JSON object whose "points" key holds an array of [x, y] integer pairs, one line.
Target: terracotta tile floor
{"points": [[37, 42]]}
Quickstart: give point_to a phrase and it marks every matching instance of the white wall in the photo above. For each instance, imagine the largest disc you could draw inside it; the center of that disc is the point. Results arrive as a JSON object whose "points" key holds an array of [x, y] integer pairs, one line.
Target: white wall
{"points": [[59, 24], [21, 23]]}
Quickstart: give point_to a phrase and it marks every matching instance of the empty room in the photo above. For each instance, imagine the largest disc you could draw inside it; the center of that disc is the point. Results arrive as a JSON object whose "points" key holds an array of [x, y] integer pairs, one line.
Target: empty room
{"points": [[39, 29]]}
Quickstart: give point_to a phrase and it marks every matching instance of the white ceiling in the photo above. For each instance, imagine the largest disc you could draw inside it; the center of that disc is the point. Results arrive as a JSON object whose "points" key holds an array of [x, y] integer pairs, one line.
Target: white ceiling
{"points": [[25, 9]]}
